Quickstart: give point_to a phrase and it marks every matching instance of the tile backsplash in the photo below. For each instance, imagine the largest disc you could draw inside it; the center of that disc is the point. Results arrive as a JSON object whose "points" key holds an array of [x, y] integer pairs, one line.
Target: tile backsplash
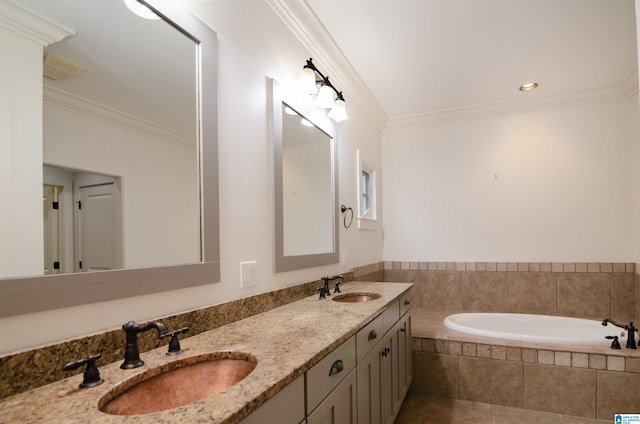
{"points": [[584, 290]]}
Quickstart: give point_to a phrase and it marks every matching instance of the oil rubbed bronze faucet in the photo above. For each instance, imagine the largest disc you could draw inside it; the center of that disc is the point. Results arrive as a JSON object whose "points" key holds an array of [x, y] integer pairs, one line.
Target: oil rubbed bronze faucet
{"points": [[631, 332], [131, 353], [324, 290]]}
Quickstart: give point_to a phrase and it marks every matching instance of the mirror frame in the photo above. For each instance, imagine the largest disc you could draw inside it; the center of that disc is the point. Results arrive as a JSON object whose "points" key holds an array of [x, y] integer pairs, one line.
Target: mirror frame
{"points": [[289, 263], [42, 293]]}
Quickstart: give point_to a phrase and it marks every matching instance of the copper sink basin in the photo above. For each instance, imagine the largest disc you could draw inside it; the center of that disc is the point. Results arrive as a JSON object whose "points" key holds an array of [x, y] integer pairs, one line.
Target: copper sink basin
{"points": [[356, 297], [178, 383]]}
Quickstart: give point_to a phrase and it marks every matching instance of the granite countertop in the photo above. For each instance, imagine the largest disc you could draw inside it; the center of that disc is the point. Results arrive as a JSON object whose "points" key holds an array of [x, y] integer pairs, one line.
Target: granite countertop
{"points": [[286, 342]]}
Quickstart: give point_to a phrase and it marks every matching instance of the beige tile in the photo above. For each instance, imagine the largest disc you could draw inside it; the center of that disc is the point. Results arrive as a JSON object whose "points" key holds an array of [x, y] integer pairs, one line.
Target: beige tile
{"points": [[633, 365], [435, 374], [442, 410], [507, 415], [499, 352], [619, 267], [622, 297], [529, 355], [562, 359], [560, 389], [583, 295], [503, 388], [441, 291], [484, 292], [618, 392], [484, 351], [455, 348], [481, 266], [597, 361], [532, 293], [469, 349], [546, 357], [428, 345], [580, 360], [606, 267], [615, 363], [581, 267], [514, 353], [412, 408]]}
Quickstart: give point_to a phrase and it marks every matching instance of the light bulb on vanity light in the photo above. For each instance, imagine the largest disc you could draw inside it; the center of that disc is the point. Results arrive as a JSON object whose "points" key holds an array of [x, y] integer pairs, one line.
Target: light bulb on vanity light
{"points": [[324, 99], [307, 81], [339, 111]]}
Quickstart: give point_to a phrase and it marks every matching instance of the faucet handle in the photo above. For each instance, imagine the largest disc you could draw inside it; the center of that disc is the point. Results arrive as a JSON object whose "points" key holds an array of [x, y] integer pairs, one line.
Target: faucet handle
{"points": [[337, 287], [323, 292], [174, 343], [615, 344], [91, 377]]}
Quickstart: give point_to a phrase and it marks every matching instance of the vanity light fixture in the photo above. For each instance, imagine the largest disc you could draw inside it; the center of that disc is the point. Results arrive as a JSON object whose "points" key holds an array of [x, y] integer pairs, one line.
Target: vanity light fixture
{"points": [[529, 86], [141, 10], [328, 97]]}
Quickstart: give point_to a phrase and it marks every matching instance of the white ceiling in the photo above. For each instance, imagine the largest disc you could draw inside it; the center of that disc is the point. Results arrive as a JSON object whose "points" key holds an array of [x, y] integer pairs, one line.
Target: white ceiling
{"points": [[422, 56]]}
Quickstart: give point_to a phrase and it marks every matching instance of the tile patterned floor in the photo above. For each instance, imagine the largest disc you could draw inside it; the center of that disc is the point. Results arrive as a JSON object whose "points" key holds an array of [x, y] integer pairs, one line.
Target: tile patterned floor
{"points": [[420, 408]]}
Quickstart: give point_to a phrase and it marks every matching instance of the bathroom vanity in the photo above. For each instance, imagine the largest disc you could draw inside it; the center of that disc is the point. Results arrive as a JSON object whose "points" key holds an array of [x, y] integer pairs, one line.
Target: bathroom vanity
{"points": [[351, 359]]}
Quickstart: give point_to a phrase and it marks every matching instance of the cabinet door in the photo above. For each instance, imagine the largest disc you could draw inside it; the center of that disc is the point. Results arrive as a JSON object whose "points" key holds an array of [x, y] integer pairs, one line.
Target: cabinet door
{"points": [[287, 407], [369, 381], [340, 406], [389, 382], [404, 356]]}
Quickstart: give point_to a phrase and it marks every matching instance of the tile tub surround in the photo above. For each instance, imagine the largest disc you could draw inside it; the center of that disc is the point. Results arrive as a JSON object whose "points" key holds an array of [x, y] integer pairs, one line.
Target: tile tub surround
{"points": [[590, 382], [581, 290], [286, 341], [28, 369]]}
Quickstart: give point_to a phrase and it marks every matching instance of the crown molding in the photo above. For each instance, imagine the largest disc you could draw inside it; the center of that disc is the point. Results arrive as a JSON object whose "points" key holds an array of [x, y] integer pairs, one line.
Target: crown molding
{"points": [[622, 91], [87, 108], [304, 24], [31, 25]]}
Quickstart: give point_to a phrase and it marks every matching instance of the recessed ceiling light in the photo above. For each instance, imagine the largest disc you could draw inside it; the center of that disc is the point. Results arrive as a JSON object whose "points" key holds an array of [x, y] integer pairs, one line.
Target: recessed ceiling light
{"points": [[529, 86]]}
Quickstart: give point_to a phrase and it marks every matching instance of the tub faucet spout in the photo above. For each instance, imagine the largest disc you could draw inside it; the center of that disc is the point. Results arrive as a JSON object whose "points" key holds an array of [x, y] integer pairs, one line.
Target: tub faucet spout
{"points": [[631, 332]]}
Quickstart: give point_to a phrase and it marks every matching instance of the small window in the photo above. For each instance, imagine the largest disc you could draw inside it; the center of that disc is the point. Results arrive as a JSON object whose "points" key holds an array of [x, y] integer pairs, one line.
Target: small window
{"points": [[365, 185]]}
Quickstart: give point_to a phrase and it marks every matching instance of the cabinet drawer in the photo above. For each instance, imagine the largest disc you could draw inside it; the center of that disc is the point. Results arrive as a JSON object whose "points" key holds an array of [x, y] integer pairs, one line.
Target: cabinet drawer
{"points": [[391, 315], [369, 336], [328, 373], [405, 303]]}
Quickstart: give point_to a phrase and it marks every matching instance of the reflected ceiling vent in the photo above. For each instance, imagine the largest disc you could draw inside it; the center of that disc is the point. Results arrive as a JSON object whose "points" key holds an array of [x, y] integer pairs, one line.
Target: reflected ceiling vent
{"points": [[57, 68]]}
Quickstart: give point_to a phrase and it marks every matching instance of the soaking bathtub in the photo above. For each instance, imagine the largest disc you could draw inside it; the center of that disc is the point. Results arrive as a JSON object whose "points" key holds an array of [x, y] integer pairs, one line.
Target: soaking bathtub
{"points": [[535, 328]]}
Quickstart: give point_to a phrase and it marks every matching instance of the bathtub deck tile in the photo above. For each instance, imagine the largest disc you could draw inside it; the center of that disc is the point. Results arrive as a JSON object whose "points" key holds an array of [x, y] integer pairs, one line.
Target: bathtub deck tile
{"points": [[469, 349], [546, 357], [615, 363], [514, 354], [562, 359], [597, 362], [579, 360], [529, 355]]}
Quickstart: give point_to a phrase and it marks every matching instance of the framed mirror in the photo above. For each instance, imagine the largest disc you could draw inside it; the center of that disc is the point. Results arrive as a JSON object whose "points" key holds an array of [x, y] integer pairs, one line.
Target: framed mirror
{"points": [[306, 188], [143, 273]]}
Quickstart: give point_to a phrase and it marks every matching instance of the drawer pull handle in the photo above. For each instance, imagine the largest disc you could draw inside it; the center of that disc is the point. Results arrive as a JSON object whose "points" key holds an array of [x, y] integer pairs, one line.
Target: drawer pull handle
{"points": [[385, 352], [372, 335], [407, 302], [336, 368], [404, 328]]}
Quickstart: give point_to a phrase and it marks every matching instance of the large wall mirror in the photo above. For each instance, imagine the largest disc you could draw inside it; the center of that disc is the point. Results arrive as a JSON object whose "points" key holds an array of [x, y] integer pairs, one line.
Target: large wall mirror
{"points": [[306, 188], [137, 120]]}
